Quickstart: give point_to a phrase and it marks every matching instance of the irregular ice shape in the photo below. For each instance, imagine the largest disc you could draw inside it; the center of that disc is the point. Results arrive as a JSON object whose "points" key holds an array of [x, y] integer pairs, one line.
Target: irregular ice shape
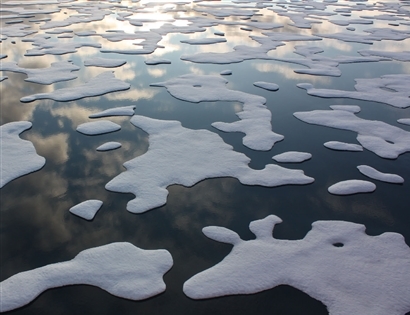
{"points": [[255, 118], [267, 85], [343, 146], [108, 146], [102, 84], [375, 174], [149, 43], [390, 89], [98, 127], [404, 121], [104, 62], [177, 155], [376, 34], [121, 269], [57, 72], [396, 55], [336, 263], [379, 137], [116, 111], [292, 157], [153, 62], [18, 156], [351, 186], [17, 30], [87, 209], [203, 41]]}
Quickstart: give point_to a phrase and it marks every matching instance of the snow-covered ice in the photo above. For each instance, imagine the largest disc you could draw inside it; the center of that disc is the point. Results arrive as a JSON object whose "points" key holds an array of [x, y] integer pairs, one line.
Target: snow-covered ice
{"points": [[375, 174], [116, 111], [352, 186], [267, 85], [343, 146], [108, 146], [98, 127], [87, 209], [292, 157], [104, 62]]}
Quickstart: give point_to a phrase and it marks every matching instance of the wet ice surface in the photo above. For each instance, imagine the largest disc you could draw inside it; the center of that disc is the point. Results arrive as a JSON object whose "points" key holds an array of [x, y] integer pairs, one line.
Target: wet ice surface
{"points": [[86, 209], [121, 269]]}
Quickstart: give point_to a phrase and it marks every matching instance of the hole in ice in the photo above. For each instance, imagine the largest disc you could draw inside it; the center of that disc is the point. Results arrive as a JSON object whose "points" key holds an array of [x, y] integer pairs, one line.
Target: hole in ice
{"points": [[338, 244]]}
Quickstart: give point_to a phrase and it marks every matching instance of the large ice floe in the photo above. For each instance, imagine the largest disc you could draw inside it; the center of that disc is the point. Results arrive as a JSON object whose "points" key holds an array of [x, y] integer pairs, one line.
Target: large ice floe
{"points": [[336, 263], [18, 156], [255, 119], [121, 269], [177, 155]]}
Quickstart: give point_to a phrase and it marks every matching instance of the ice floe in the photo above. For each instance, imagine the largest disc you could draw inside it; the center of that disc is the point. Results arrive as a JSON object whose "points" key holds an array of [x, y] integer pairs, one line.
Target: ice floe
{"points": [[153, 62], [87, 209], [396, 55], [350, 108], [351, 186], [379, 137], [292, 157], [116, 111], [102, 84], [373, 272], [104, 62], [226, 72], [108, 146], [375, 174], [177, 155], [203, 41], [121, 269], [343, 146], [404, 121], [98, 127], [255, 118], [18, 156], [267, 85]]}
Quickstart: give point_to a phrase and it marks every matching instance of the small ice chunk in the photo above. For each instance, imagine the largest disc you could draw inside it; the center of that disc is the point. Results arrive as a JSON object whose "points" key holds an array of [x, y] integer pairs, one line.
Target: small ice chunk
{"points": [[203, 41], [226, 72], [375, 174], [343, 146], [121, 269], [350, 108], [108, 146], [104, 62], [98, 127], [219, 33], [87, 209], [404, 121], [267, 85], [154, 62], [116, 111], [352, 186], [292, 157]]}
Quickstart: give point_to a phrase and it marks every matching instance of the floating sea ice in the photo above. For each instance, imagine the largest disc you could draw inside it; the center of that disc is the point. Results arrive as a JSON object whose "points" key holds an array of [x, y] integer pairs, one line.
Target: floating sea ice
{"points": [[375, 174], [351, 186], [396, 55], [379, 137], [404, 121], [116, 111], [292, 157], [102, 84], [121, 269], [18, 156], [390, 89], [226, 72], [255, 118], [375, 34], [104, 62], [154, 62], [57, 72], [98, 127], [87, 209], [149, 43], [267, 85], [108, 146], [350, 108], [336, 263], [203, 41], [177, 155], [17, 30], [343, 146]]}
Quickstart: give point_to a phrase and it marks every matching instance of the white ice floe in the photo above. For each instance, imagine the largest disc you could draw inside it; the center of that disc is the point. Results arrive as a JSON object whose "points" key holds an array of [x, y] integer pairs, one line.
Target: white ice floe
{"points": [[121, 269], [343, 146], [350, 108], [336, 263], [404, 121], [104, 62], [255, 118], [226, 72], [98, 127], [57, 72], [177, 155], [352, 186], [292, 157], [379, 137], [374, 34], [396, 55], [154, 62], [390, 89], [116, 111], [375, 174], [203, 41], [108, 146], [102, 84], [266, 85], [87, 209], [18, 156]]}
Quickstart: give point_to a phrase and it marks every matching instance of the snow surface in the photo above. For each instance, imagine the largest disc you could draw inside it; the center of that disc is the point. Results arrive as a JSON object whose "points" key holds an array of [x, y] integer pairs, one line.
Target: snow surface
{"points": [[18, 156], [404, 121], [336, 263], [266, 85], [108, 146], [343, 146], [116, 111], [98, 127], [177, 155], [292, 157], [104, 62], [86, 209], [375, 174], [121, 269], [352, 186]]}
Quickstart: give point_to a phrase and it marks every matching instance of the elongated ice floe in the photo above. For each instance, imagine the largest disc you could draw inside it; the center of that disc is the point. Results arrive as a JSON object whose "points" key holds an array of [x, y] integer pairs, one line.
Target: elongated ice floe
{"points": [[102, 84], [116, 111], [121, 269], [352, 186], [154, 62], [104, 62], [404, 121], [203, 41], [18, 156], [350, 108], [108, 146], [292, 157], [177, 155], [379, 137], [255, 118], [384, 177], [87, 209], [343, 146], [373, 272], [98, 127], [267, 85]]}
